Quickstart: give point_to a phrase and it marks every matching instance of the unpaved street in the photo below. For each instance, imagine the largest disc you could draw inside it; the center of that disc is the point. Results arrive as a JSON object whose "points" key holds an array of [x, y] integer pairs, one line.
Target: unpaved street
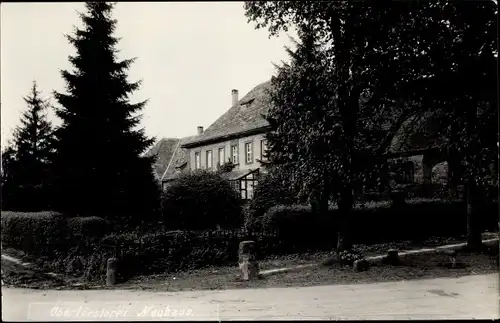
{"points": [[457, 298]]}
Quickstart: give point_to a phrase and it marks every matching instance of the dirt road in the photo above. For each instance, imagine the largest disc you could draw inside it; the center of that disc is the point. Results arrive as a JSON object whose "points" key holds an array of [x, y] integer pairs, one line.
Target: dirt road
{"points": [[453, 298]]}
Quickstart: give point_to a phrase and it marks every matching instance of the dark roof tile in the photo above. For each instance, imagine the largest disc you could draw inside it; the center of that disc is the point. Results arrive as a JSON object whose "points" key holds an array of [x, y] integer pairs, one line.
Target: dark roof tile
{"points": [[245, 116], [163, 150], [179, 158]]}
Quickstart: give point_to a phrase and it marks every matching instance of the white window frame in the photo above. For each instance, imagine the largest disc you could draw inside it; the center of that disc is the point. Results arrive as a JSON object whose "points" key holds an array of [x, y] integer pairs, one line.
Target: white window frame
{"points": [[234, 154], [197, 160], [211, 159], [249, 152], [263, 148], [223, 159]]}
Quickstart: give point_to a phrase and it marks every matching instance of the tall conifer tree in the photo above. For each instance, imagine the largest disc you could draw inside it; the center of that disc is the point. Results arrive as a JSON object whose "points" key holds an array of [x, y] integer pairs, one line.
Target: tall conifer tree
{"points": [[26, 179], [99, 165]]}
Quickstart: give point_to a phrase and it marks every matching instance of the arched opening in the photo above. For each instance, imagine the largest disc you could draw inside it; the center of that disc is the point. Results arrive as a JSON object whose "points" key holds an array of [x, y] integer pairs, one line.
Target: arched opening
{"points": [[431, 158]]}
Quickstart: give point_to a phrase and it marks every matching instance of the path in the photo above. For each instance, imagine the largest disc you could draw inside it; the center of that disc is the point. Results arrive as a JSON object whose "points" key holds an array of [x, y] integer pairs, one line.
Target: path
{"points": [[445, 298]]}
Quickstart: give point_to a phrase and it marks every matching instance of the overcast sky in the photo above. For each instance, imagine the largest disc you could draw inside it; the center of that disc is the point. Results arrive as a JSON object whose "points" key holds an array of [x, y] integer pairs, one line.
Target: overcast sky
{"points": [[189, 56]]}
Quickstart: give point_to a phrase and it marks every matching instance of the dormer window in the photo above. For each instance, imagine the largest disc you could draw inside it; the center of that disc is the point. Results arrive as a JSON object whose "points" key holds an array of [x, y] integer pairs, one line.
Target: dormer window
{"points": [[246, 103]]}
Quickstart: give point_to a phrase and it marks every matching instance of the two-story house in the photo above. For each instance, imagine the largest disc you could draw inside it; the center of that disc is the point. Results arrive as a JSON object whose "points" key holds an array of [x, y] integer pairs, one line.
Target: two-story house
{"points": [[237, 136]]}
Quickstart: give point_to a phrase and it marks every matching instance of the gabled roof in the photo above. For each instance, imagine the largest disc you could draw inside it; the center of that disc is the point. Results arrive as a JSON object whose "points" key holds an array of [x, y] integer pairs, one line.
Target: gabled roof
{"points": [[163, 150], [246, 116], [417, 133], [178, 160]]}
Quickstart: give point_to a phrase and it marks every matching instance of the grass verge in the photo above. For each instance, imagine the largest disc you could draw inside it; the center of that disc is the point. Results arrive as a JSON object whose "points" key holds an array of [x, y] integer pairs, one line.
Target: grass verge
{"points": [[415, 267]]}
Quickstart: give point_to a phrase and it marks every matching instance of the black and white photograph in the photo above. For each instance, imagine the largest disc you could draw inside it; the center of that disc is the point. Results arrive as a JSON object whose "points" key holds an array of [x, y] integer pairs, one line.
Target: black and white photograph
{"points": [[249, 160]]}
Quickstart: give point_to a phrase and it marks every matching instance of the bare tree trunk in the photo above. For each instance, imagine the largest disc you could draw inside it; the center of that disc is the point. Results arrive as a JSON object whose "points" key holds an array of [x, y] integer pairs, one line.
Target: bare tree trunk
{"points": [[323, 201], [474, 241], [314, 201], [345, 207]]}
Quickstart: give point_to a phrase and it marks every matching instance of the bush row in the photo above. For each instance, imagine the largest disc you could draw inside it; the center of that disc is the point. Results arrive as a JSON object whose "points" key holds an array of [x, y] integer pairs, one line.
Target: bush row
{"points": [[82, 245], [49, 233], [377, 222]]}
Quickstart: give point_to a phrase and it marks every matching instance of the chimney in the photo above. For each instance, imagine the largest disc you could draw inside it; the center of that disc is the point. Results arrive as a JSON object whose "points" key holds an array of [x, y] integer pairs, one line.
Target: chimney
{"points": [[200, 130], [234, 96]]}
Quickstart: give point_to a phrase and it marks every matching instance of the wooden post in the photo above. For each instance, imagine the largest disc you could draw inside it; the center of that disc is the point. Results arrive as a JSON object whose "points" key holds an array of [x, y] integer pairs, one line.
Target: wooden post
{"points": [[111, 272], [248, 261]]}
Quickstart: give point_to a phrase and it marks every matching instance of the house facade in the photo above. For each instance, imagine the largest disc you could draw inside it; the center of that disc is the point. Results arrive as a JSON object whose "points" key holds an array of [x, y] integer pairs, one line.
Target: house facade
{"points": [[237, 136]]}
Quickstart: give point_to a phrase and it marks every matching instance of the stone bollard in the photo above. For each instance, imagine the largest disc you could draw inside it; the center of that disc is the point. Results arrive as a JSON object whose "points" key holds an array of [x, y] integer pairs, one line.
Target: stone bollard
{"points": [[248, 261], [111, 271], [392, 257]]}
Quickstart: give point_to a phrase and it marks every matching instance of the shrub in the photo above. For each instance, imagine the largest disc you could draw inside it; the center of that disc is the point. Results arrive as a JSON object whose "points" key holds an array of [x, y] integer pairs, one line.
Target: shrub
{"points": [[299, 227], [201, 200], [270, 190], [37, 233], [89, 227], [375, 222], [50, 234]]}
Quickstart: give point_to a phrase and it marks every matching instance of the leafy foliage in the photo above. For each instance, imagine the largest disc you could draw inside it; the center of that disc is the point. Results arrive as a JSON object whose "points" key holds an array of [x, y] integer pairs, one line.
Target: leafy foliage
{"points": [[34, 233], [25, 162], [462, 91], [49, 233], [225, 167], [327, 133], [98, 165], [201, 200], [381, 63], [417, 219], [271, 189]]}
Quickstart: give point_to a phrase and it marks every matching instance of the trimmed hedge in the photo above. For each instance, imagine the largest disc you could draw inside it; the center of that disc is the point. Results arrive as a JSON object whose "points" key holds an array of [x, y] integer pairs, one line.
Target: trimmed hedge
{"points": [[376, 222], [48, 233], [34, 233], [92, 226]]}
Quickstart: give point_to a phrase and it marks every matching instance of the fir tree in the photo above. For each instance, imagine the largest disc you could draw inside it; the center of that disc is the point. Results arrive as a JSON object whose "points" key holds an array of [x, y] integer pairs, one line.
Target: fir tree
{"points": [[99, 168], [8, 160], [27, 158]]}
